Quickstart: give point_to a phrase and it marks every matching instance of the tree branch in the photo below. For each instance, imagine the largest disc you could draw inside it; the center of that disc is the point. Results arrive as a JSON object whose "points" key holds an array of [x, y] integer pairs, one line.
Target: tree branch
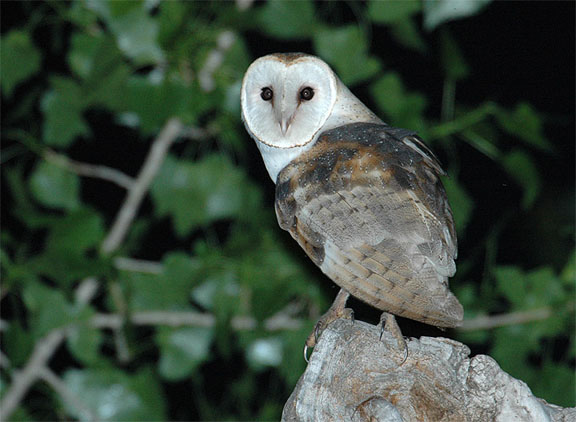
{"points": [[137, 265], [278, 322], [43, 351], [358, 373], [89, 170], [136, 194], [485, 322]]}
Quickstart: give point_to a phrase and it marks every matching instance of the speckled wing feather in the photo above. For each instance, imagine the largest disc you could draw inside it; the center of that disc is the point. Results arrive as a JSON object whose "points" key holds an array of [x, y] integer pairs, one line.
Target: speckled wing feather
{"points": [[368, 207]]}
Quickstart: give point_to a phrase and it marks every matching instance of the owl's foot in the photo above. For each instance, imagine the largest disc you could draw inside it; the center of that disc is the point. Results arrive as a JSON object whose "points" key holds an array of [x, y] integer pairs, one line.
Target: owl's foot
{"points": [[388, 323], [337, 310]]}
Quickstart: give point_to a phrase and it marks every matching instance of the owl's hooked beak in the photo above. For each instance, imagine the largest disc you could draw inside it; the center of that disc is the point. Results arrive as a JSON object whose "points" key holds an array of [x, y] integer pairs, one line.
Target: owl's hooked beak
{"points": [[284, 121], [285, 125], [284, 118]]}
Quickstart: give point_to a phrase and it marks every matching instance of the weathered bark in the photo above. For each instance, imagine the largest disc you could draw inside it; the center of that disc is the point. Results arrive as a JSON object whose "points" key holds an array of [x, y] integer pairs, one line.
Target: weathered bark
{"points": [[355, 376]]}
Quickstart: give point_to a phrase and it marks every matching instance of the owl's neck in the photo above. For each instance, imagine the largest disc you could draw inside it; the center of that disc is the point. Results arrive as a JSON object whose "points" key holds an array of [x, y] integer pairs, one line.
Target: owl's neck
{"points": [[276, 159], [348, 109]]}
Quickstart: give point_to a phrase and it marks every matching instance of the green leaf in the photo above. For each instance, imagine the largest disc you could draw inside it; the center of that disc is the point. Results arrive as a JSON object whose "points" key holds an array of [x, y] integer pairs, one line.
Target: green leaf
{"points": [[392, 11], [538, 288], [153, 101], [171, 18], [146, 292], [112, 395], [569, 271], [76, 232], [137, 36], [463, 121], [440, 11], [524, 123], [169, 290], [407, 33], [48, 306], [84, 343], [453, 61], [179, 269], [511, 348], [345, 48], [82, 16], [24, 207], [20, 59], [182, 350], [18, 343], [520, 166], [136, 32], [288, 20], [83, 340], [460, 201], [62, 107], [402, 108], [66, 268], [219, 293], [544, 288], [121, 8], [55, 187], [512, 283], [82, 52], [265, 352], [66, 256], [273, 275], [96, 60], [199, 193]]}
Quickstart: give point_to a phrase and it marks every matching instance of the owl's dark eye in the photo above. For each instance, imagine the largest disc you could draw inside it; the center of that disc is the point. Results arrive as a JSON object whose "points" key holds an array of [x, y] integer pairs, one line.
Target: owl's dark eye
{"points": [[306, 93], [266, 94]]}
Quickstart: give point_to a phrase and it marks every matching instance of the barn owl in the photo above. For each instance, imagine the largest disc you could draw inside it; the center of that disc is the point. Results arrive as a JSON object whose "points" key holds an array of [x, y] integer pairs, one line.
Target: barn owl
{"points": [[363, 199]]}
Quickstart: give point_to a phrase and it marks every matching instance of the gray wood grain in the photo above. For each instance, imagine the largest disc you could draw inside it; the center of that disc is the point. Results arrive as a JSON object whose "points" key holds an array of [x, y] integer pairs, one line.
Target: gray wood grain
{"points": [[355, 376]]}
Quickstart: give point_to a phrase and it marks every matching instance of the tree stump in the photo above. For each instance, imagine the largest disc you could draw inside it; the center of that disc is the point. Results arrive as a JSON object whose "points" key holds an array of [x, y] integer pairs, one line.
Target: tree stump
{"points": [[353, 375]]}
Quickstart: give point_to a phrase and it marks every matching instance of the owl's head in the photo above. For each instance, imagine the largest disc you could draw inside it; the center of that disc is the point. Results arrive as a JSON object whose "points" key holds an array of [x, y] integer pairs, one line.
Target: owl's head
{"points": [[289, 99]]}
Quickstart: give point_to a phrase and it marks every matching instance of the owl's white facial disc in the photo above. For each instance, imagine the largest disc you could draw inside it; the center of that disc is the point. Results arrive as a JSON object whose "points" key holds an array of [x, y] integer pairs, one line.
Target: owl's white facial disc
{"points": [[286, 99]]}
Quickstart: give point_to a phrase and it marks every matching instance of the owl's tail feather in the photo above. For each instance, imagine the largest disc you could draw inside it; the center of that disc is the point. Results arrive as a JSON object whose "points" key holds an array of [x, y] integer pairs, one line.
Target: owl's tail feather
{"points": [[369, 275]]}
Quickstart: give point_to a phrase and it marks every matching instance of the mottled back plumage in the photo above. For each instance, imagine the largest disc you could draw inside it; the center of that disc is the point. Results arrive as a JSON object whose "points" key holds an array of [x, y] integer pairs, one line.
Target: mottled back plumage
{"points": [[368, 207]]}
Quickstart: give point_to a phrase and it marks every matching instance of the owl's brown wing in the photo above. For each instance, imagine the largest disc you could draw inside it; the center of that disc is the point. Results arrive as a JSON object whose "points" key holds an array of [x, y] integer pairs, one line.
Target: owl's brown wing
{"points": [[367, 205]]}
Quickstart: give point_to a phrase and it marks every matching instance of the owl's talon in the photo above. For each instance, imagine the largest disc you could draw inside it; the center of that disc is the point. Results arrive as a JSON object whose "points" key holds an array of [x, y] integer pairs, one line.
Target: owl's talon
{"points": [[318, 328], [350, 314], [337, 310], [405, 354], [388, 323], [306, 353]]}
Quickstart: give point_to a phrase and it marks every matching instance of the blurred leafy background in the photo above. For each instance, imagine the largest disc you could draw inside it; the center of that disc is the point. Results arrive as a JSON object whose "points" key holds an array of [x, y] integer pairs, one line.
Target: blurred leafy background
{"points": [[198, 307]]}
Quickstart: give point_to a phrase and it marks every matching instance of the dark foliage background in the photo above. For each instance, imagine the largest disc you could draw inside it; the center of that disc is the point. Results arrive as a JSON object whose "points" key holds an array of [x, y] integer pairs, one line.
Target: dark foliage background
{"points": [[200, 312]]}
